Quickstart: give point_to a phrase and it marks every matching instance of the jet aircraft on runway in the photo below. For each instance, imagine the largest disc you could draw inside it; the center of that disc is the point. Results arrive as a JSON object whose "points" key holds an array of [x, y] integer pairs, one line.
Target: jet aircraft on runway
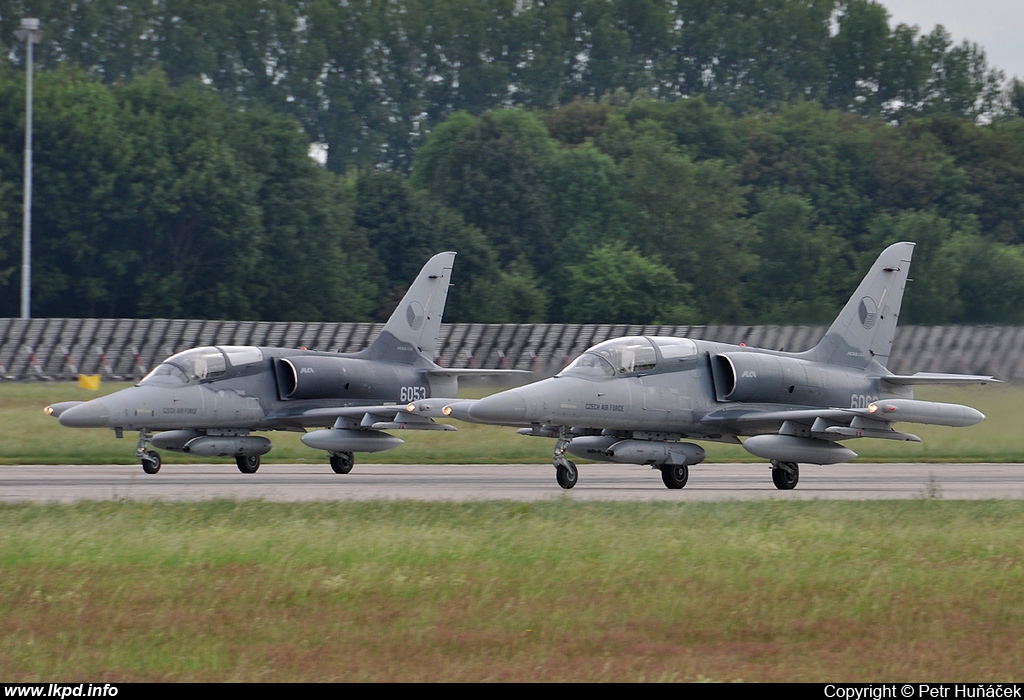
{"points": [[636, 400], [207, 401]]}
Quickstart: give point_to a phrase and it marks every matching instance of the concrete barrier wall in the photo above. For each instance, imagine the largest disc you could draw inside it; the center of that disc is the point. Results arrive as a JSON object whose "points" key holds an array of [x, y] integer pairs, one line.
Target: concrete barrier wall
{"points": [[61, 348]]}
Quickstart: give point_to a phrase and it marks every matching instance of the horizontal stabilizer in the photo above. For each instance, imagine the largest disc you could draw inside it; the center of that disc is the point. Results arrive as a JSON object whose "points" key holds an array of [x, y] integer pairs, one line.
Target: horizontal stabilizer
{"points": [[921, 378], [447, 373]]}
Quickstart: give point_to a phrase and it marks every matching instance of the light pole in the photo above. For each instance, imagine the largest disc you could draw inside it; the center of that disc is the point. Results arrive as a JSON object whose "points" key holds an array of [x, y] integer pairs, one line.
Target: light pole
{"points": [[30, 34]]}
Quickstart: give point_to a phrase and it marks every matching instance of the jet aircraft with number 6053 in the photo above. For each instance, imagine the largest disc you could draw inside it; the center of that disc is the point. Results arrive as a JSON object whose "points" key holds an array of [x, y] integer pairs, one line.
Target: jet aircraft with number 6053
{"points": [[637, 400], [206, 401]]}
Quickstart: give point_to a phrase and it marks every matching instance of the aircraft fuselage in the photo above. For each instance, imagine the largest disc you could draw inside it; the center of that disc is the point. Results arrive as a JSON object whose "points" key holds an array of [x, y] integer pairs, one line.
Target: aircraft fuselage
{"points": [[276, 391], [675, 395]]}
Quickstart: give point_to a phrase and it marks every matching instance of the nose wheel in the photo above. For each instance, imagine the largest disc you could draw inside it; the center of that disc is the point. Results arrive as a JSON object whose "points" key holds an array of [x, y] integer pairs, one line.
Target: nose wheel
{"points": [[150, 459], [151, 462], [566, 472]]}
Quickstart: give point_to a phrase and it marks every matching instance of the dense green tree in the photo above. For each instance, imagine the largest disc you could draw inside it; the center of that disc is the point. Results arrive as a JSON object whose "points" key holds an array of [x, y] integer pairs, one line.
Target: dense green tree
{"points": [[515, 295], [761, 151], [616, 284], [405, 226], [161, 201], [802, 268], [991, 281], [693, 215], [491, 169], [371, 78], [933, 294]]}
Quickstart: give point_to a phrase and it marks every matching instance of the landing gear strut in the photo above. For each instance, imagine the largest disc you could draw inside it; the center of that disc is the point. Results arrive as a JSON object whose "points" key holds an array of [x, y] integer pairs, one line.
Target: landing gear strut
{"points": [[341, 462], [566, 472], [785, 475], [150, 459], [248, 464]]}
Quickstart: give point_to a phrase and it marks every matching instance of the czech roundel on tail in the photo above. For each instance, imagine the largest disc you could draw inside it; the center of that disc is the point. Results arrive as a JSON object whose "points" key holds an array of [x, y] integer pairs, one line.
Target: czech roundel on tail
{"points": [[208, 401], [639, 399]]}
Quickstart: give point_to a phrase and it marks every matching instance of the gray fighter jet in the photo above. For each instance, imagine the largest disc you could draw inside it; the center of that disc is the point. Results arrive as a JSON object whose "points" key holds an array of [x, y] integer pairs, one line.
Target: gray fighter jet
{"points": [[635, 400], [207, 401]]}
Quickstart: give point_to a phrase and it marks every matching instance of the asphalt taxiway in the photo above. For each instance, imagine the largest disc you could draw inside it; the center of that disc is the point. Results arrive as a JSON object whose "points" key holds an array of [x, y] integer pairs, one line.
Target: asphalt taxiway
{"points": [[517, 482]]}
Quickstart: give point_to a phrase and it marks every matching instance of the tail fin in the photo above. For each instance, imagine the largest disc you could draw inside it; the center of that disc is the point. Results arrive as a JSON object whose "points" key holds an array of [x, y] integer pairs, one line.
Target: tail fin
{"points": [[412, 330], [865, 327]]}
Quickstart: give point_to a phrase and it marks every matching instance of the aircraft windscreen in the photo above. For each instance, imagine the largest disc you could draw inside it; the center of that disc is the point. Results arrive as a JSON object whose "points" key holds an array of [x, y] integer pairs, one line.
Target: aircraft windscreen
{"points": [[623, 355], [675, 348], [589, 366], [239, 355], [192, 365]]}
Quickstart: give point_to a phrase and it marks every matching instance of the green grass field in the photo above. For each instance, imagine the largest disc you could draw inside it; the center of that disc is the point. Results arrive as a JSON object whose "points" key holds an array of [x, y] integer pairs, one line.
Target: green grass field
{"points": [[32, 437], [557, 591]]}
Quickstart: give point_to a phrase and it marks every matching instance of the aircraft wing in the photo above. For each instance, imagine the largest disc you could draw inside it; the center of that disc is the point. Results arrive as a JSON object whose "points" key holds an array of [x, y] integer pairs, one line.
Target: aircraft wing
{"points": [[384, 417], [875, 420]]}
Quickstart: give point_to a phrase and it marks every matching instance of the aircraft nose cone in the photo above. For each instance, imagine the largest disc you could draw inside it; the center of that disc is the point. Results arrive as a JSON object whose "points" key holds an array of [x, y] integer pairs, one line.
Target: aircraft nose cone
{"points": [[91, 414], [504, 407]]}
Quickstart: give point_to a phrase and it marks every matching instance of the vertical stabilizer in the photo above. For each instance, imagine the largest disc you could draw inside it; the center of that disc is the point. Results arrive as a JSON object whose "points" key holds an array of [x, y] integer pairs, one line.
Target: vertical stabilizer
{"points": [[865, 327], [412, 330]]}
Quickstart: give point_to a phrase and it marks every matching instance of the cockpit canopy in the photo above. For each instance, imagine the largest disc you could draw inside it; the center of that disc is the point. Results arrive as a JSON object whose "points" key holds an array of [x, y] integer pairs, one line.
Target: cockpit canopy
{"points": [[631, 355], [201, 364]]}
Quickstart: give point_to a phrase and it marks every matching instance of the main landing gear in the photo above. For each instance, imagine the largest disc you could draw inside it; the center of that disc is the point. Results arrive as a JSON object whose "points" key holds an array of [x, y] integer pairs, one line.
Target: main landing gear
{"points": [[785, 475], [248, 464], [341, 462], [675, 475]]}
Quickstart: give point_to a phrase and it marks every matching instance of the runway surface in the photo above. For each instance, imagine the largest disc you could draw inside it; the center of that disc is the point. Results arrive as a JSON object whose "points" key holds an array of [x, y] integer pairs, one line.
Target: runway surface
{"points": [[517, 482]]}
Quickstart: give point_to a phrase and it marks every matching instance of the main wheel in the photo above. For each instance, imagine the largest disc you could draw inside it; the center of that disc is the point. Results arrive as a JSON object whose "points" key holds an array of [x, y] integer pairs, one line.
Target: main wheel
{"points": [[785, 478], [248, 464], [675, 475], [151, 462], [566, 474], [341, 462]]}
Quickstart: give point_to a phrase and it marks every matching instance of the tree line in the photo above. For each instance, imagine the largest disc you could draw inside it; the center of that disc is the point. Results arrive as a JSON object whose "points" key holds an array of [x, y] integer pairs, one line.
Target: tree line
{"points": [[371, 78], [176, 191]]}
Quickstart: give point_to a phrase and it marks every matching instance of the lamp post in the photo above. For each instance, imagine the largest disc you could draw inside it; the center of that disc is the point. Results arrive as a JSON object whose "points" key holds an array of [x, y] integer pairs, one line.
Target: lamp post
{"points": [[30, 34]]}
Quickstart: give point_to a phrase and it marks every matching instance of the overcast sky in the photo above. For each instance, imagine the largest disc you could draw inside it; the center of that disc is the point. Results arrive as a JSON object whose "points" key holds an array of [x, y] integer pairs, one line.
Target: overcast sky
{"points": [[994, 24]]}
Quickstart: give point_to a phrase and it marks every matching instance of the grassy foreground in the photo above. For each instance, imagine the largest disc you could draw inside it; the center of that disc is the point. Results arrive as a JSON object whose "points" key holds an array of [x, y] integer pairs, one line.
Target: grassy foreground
{"points": [[32, 437], [776, 591]]}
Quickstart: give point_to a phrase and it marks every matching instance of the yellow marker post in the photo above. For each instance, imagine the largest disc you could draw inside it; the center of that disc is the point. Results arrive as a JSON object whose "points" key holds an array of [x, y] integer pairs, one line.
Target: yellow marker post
{"points": [[89, 381]]}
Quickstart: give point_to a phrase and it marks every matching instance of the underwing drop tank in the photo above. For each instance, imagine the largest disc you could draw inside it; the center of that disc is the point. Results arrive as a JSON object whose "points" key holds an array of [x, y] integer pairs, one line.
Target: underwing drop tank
{"points": [[613, 449], [345, 440], [789, 448]]}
